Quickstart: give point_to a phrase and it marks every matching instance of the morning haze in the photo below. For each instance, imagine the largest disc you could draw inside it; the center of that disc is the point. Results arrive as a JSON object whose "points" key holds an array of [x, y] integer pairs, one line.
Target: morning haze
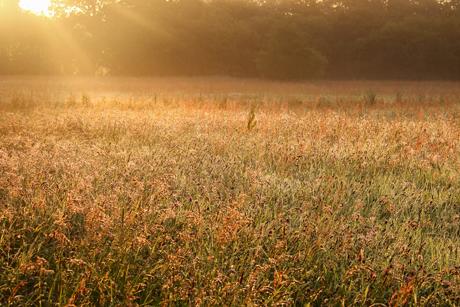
{"points": [[229, 152], [287, 39]]}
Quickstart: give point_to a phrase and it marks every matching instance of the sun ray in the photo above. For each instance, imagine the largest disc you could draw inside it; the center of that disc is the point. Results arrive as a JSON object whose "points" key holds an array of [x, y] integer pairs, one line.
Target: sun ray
{"points": [[65, 43]]}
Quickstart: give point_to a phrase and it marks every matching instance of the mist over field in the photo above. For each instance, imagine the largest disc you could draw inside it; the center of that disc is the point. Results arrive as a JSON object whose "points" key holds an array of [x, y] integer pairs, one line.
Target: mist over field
{"points": [[229, 152]]}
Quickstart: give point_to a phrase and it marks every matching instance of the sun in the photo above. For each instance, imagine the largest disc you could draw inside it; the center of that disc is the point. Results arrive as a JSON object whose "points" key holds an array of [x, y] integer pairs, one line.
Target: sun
{"points": [[39, 7]]}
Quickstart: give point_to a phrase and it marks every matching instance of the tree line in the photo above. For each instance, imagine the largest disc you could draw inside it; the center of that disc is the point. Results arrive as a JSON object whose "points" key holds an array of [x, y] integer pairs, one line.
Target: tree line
{"points": [[280, 39]]}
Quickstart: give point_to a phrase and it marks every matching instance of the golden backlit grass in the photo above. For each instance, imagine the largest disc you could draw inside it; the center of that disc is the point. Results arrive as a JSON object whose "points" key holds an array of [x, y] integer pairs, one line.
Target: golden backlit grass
{"points": [[167, 198]]}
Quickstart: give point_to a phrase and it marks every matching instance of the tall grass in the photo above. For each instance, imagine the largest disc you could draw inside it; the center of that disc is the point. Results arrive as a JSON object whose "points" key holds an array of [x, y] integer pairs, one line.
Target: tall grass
{"points": [[122, 201], [370, 98]]}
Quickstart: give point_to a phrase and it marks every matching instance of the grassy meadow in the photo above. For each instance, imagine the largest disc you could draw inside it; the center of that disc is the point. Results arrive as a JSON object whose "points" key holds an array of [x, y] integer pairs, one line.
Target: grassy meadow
{"points": [[229, 192]]}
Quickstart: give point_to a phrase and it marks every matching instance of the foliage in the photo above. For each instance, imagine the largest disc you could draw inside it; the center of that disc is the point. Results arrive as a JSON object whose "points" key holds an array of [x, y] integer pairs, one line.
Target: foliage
{"points": [[286, 39]]}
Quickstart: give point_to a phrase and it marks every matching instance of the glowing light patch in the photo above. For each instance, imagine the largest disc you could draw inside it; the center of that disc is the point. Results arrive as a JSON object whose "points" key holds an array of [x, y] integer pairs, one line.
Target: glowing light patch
{"points": [[39, 7]]}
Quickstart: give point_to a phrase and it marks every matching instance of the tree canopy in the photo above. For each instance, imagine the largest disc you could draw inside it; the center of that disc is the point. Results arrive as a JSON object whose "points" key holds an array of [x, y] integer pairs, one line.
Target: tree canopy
{"points": [[281, 39]]}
